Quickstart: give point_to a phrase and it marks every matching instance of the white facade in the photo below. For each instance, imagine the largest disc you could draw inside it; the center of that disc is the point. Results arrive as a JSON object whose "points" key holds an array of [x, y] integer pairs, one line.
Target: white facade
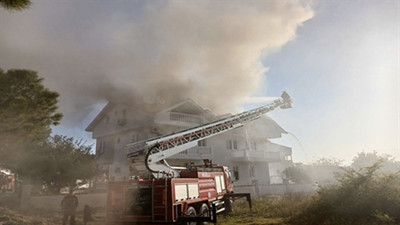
{"points": [[253, 159]]}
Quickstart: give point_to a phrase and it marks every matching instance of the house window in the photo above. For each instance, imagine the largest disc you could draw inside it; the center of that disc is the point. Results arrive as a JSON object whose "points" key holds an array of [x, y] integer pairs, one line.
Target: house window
{"points": [[202, 143], [100, 148], [288, 157], [135, 138], [235, 144], [236, 172], [231, 144], [228, 144], [254, 145], [251, 171]]}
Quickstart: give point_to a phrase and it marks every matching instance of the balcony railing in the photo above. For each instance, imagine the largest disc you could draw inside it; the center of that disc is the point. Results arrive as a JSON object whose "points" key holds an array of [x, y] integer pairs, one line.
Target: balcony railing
{"points": [[197, 152], [176, 118], [247, 155], [182, 117]]}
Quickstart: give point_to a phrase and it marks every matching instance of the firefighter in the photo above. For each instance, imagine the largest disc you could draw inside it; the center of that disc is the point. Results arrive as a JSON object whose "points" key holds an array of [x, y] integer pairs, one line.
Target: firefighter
{"points": [[68, 206]]}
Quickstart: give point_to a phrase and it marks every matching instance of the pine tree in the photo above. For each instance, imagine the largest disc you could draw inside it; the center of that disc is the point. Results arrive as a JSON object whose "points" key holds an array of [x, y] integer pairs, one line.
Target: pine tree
{"points": [[18, 5]]}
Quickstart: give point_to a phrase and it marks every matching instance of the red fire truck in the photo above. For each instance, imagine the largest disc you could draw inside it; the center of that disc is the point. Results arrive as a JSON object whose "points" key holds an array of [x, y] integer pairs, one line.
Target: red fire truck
{"points": [[165, 194]]}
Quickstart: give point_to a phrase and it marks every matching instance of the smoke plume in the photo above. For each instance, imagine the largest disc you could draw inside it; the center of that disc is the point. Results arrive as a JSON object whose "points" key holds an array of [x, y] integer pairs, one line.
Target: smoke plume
{"points": [[155, 52]]}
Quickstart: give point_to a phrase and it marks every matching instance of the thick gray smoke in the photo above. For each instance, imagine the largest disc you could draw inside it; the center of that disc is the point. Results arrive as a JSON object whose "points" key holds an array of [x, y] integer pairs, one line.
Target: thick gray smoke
{"points": [[157, 52]]}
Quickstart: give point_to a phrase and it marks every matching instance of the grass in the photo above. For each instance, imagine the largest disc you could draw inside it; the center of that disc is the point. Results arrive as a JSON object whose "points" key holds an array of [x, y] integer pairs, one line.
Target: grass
{"points": [[271, 210], [251, 221]]}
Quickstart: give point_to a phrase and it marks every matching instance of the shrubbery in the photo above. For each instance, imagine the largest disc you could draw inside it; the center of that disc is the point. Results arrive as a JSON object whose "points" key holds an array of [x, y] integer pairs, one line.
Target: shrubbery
{"points": [[361, 197]]}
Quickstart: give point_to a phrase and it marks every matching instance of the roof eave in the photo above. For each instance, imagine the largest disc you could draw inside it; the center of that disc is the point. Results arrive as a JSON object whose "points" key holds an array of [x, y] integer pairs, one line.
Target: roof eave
{"points": [[99, 117]]}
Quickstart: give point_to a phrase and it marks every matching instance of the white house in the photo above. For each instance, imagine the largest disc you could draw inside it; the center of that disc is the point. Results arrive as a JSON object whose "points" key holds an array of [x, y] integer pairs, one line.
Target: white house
{"points": [[254, 160]]}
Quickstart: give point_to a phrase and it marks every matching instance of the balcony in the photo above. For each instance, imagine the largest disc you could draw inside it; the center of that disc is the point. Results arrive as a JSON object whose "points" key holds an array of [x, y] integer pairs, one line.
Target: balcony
{"points": [[178, 119], [255, 156], [197, 152]]}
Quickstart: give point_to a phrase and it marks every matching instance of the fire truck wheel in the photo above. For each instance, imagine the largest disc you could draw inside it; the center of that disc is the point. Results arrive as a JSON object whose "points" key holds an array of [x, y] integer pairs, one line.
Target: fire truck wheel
{"points": [[191, 212], [204, 212]]}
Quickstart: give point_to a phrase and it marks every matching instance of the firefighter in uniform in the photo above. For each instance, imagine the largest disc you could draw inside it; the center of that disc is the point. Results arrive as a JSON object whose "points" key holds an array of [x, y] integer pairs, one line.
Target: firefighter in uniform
{"points": [[69, 205]]}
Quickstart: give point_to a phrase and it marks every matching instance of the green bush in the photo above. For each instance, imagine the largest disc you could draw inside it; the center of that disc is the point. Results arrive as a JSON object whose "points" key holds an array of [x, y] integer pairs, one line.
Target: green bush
{"points": [[361, 197]]}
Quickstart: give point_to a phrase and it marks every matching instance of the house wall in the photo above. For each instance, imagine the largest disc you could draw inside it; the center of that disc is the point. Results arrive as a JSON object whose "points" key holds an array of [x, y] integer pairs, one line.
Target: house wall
{"points": [[252, 156]]}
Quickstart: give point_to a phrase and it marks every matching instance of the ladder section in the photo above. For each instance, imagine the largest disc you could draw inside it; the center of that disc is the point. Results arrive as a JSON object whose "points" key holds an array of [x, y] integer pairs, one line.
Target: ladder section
{"points": [[158, 149]]}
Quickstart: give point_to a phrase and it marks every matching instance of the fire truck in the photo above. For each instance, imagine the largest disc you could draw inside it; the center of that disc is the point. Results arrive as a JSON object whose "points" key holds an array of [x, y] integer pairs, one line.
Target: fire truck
{"points": [[165, 194]]}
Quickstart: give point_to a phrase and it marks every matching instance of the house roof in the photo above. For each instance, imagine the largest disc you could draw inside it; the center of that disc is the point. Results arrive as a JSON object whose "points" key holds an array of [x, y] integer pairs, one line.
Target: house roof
{"points": [[99, 116], [104, 112], [275, 124], [187, 106]]}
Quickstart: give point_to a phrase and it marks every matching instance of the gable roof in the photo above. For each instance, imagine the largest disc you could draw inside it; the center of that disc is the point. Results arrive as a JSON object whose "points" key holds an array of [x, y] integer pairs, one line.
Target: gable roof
{"points": [[267, 119], [187, 106], [105, 111], [99, 116]]}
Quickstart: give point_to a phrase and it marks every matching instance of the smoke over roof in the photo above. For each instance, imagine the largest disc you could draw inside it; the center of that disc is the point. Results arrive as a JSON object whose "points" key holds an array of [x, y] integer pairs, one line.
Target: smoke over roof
{"points": [[153, 52]]}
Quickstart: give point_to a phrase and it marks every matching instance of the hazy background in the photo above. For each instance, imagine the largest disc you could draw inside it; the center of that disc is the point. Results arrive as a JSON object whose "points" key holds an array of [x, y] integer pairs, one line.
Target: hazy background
{"points": [[339, 60]]}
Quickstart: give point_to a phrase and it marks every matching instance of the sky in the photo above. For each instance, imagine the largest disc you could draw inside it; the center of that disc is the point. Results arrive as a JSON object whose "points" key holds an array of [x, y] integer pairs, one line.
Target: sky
{"points": [[338, 60]]}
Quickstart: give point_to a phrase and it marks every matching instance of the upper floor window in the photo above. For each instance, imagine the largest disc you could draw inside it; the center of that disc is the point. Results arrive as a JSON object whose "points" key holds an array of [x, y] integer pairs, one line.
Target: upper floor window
{"points": [[252, 172], [288, 157], [236, 172], [231, 144], [202, 143], [254, 145], [100, 147], [135, 137]]}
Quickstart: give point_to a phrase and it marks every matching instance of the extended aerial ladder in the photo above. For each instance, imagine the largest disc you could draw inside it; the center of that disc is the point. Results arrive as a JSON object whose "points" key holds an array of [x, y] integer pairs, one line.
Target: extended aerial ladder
{"points": [[154, 151]]}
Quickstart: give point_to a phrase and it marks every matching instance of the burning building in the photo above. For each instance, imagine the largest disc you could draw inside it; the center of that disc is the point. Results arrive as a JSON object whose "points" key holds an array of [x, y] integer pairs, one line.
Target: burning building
{"points": [[254, 160]]}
